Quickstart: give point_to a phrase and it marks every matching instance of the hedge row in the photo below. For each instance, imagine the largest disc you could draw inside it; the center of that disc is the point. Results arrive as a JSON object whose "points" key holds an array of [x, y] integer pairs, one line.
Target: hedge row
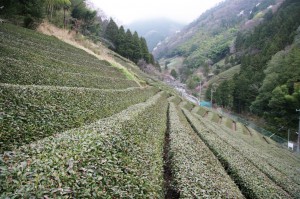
{"points": [[215, 118], [175, 99], [39, 44], [27, 56], [276, 169], [243, 129], [13, 55], [267, 157], [198, 173], [202, 111], [252, 182], [275, 162], [24, 73], [187, 105], [29, 113], [116, 157]]}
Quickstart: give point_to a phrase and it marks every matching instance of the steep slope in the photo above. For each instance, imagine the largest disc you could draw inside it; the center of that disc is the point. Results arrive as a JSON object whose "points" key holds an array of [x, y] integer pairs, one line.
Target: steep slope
{"points": [[65, 139], [53, 83], [268, 83], [210, 35], [245, 34]]}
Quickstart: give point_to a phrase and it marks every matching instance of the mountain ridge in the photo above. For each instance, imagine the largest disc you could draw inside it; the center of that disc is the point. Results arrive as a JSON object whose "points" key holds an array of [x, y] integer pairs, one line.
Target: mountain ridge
{"points": [[155, 30]]}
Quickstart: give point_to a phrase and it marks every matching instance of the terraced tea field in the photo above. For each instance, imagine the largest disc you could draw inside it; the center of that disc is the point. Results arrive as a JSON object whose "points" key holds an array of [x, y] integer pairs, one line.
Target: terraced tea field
{"points": [[74, 126]]}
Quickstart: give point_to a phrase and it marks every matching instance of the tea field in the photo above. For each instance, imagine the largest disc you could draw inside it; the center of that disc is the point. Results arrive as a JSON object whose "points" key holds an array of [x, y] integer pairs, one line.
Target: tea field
{"points": [[74, 126]]}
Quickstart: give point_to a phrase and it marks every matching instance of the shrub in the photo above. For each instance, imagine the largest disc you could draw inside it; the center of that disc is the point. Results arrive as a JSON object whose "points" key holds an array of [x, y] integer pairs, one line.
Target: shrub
{"points": [[251, 180], [27, 56], [197, 171], [29, 113], [116, 157]]}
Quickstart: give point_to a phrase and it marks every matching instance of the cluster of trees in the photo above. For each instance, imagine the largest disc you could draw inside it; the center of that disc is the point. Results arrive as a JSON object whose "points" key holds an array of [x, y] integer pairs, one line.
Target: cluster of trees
{"points": [[75, 14], [268, 83], [64, 13], [127, 44]]}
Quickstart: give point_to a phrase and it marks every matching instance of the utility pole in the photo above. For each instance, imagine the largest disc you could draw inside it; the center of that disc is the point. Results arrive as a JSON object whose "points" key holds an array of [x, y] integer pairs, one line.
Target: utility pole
{"points": [[200, 93], [288, 136], [211, 96], [298, 142], [212, 90]]}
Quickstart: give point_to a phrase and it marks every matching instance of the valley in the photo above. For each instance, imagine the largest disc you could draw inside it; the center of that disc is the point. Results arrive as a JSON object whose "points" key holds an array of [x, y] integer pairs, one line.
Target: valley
{"points": [[79, 120]]}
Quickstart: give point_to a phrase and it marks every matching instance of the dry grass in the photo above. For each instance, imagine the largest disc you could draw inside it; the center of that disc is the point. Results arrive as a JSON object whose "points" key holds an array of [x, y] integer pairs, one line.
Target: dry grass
{"points": [[79, 41]]}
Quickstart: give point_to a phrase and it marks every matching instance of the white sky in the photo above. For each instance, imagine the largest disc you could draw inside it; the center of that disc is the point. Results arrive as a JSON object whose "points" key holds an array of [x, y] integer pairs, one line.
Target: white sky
{"points": [[127, 11]]}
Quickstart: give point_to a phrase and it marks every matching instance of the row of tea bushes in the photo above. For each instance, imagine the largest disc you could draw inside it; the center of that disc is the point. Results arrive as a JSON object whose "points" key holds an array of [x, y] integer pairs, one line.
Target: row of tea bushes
{"points": [[277, 170], [252, 182], [36, 44], [201, 110], [281, 170], [275, 162], [29, 113], [25, 73], [175, 99], [116, 157], [17, 57], [197, 172], [189, 105], [29, 57]]}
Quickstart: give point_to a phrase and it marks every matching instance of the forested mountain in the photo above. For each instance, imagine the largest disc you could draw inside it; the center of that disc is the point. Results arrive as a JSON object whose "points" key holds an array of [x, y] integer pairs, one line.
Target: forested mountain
{"points": [[155, 30], [210, 38], [268, 83], [210, 35], [260, 38]]}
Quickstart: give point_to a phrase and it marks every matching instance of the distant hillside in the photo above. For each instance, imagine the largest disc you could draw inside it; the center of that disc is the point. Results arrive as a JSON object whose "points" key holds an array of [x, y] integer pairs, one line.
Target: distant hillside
{"points": [[260, 36], [210, 36], [155, 30]]}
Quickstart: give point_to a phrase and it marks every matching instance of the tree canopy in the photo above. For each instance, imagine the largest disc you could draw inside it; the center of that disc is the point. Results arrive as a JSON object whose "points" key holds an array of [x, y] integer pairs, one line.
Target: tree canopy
{"points": [[127, 44], [268, 83]]}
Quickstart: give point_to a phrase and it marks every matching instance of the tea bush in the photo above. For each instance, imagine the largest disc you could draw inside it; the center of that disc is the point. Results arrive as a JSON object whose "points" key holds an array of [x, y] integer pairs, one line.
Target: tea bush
{"points": [[29, 113], [251, 180], [116, 157], [198, 173]]}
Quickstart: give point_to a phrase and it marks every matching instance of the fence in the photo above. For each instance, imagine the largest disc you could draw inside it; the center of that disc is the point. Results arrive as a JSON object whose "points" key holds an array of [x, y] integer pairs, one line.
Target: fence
{"points": [[260, 130]]}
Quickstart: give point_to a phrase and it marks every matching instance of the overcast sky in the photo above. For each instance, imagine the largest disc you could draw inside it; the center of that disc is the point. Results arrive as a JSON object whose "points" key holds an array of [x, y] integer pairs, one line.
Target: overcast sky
{"points": [[127, 11]]}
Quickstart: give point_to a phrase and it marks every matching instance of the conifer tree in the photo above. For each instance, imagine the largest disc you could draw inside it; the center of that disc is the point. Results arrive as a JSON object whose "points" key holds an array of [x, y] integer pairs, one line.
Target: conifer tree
{"points": [[137, 52], [112, 32], [121, 43], [144, 49], [128, 45]]}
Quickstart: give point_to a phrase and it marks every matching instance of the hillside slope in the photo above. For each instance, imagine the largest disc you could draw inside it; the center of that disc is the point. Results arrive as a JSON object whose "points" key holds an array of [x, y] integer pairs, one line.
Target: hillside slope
{"points": [[210, 36], [268, 82], [74, 126], [260, 36]]}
